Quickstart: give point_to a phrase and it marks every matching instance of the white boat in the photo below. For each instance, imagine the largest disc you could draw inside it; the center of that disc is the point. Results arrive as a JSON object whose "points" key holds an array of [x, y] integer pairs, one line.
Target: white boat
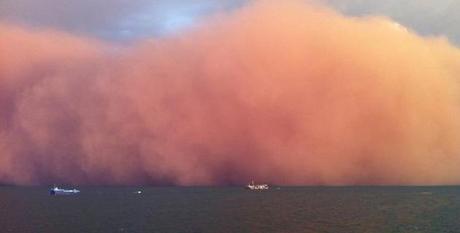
{"points": [[253, 186], [58, 191]]}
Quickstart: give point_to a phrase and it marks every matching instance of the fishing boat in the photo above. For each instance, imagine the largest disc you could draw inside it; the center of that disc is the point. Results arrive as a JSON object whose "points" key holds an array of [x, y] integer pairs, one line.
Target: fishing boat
{"points": [[252, 186], [59, 191]]}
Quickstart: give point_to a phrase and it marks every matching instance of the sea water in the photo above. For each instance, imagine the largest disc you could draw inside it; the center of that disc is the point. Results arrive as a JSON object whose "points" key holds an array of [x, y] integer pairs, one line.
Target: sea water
{"points": [[232, 209]]}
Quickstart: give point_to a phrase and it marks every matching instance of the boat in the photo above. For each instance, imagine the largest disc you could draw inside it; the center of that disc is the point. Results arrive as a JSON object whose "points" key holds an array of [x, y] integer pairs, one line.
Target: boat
{"points": [[252, 186], [59, 191]]}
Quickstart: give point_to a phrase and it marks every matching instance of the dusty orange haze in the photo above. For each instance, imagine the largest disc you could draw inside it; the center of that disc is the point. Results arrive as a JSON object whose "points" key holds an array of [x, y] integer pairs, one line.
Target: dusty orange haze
{"points": [[285, 93]]}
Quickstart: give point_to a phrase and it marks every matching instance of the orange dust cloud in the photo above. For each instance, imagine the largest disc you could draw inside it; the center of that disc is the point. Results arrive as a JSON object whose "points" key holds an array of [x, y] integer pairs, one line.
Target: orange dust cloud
{"points": [[280, 92]]}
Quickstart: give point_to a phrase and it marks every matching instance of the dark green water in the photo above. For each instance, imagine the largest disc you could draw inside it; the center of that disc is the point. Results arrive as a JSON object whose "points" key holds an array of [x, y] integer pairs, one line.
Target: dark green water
{"points": [[220, 210]]}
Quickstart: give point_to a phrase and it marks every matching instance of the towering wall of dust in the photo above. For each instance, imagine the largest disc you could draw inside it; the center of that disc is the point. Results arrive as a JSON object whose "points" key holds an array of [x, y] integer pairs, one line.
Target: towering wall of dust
{"points": [[285, 93]]}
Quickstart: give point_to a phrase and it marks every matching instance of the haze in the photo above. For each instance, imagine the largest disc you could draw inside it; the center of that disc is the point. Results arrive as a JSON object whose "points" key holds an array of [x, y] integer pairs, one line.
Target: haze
{"points": [[206, 93]]}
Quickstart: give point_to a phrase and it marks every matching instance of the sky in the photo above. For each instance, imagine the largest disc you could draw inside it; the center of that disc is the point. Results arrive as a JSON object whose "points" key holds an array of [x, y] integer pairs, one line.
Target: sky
{"points": [[125, 20], [114, 19], [343, 92]]}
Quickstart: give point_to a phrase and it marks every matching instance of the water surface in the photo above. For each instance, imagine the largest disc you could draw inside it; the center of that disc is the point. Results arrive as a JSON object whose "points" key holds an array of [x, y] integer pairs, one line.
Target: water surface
{"points": [[232, 209]]}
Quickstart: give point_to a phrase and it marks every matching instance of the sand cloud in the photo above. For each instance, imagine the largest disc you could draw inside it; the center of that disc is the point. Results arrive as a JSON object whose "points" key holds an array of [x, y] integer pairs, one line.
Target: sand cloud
{"points": [[285, 93]]}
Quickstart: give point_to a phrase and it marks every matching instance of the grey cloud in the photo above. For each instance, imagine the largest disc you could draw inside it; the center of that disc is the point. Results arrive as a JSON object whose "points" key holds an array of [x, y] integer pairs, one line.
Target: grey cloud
{"points": [[427, 17]]}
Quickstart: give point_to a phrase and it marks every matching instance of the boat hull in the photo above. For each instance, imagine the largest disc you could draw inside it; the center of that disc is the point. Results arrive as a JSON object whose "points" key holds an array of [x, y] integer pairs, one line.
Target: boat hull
{"points": [[257, 187], [56, 191]]}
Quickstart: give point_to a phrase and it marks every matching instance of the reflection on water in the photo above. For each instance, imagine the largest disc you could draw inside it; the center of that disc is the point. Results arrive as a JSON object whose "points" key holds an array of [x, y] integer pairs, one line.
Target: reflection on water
{"points": [[221, 210]]}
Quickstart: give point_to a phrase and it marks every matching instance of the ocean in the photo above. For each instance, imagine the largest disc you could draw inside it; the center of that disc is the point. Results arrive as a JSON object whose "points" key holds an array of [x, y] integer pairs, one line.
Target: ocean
{"points": [[232, 209]]}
